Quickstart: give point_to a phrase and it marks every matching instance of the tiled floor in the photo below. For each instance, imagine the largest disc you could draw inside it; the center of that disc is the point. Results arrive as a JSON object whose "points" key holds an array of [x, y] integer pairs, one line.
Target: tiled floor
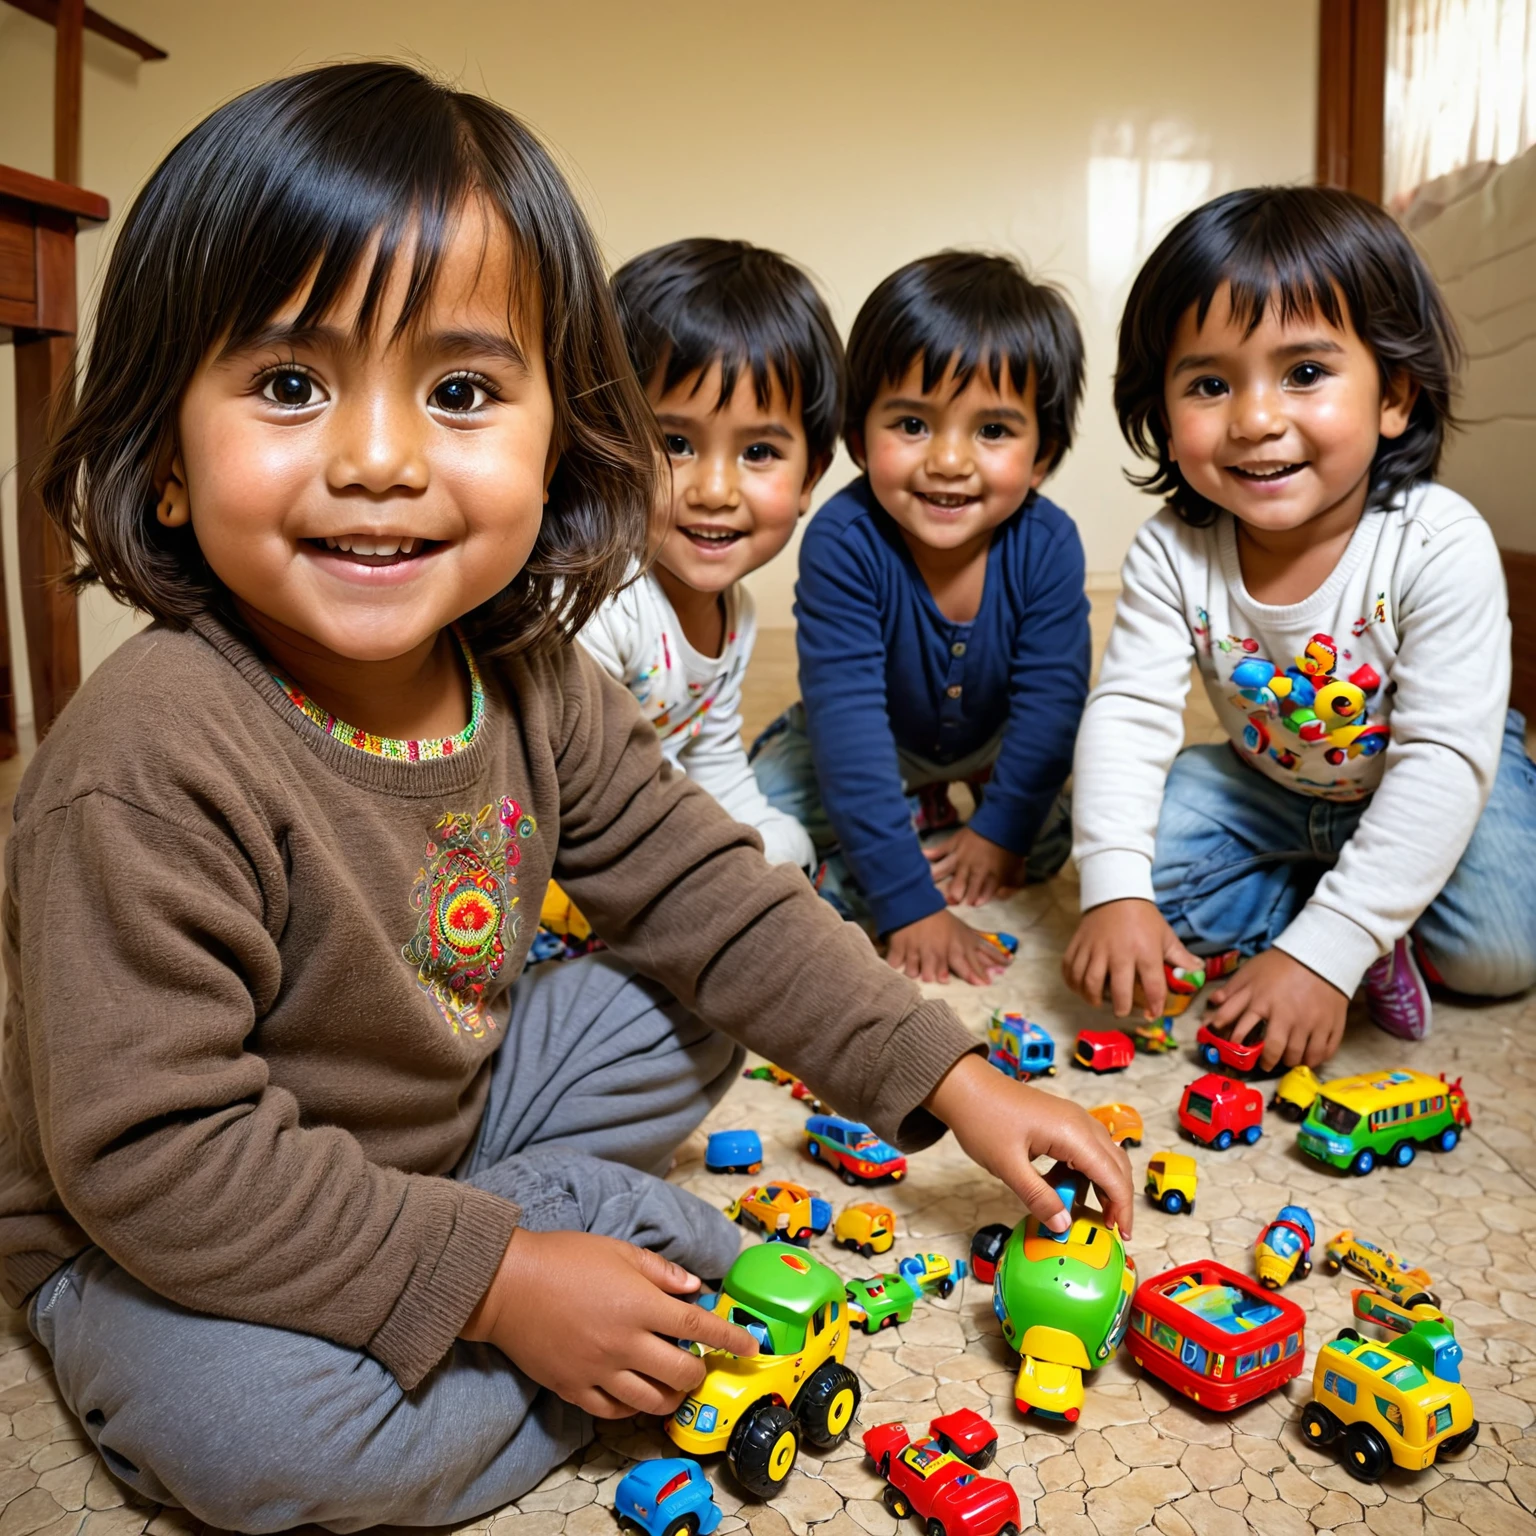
{"points": [[1140, 1459]]}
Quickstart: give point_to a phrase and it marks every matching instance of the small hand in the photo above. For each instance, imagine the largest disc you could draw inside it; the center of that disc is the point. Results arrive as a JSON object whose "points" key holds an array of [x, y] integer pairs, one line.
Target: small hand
{"points": [[1123, 942], [1302, 1013], [1003, 1125], [619, 1360], [976, 868], [936, 945]]}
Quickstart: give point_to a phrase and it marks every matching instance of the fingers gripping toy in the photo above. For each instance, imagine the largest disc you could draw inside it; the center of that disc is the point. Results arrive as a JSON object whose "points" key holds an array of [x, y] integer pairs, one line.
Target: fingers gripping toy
{"points": [[1063, 1300]]}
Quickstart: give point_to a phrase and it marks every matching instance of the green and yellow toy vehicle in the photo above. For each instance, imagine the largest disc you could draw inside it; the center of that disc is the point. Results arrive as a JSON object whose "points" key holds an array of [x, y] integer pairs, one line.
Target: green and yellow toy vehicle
{"points": [[1064, 1301], [757, 1410]]}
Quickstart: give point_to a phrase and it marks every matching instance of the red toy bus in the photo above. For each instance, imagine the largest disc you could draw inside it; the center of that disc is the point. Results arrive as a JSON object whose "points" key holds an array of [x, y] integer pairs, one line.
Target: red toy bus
{"points": [[1213, 1335]]}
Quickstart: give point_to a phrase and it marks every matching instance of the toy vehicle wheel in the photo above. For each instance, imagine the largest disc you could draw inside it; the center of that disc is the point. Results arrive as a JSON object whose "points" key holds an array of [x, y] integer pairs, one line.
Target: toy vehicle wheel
{"points": [[1252, 1134], [1331, 1265], [846, 1177], [979, 1459], [1365, 1161], [1404, 1153], [866, 1250], [753, 1168], [1008, 1528], [1421, 1299], [813, 1150], [888, 1321], [826, 1405], [763, 1448], [1173, 1202], [629, 1527], [1350, 1335], [1304, 1269], [1318, 1425], [946, 1286], [1458, 1443], [1366, 1455], [936, 1528], [895, 1505], [1210, 1055], [1223, 1141], [1447, 1139], [684, 1525]]}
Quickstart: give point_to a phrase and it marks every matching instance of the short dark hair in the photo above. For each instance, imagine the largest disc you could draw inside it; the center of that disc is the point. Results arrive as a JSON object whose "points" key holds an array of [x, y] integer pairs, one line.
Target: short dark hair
{"points": [[971, 310], [1302, 249], [693, 303], [296, 178]]}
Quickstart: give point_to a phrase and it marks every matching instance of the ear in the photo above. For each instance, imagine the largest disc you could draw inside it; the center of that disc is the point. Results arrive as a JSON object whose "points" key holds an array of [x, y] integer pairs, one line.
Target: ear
{"points": [[1045, 462], [818, 468], [174, 507], [856, 449], [1398, 399]]}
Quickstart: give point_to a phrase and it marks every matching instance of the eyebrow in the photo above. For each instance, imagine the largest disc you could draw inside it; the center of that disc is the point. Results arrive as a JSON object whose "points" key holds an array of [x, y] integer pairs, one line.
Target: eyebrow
{"points": [[440, 343], [1198, 360], [758, 429], [902, 403]]}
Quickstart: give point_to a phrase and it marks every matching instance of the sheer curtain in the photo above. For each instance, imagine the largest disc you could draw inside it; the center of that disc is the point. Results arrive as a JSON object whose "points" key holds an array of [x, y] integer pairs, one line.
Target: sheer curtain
{"points": [[1461, 88]]}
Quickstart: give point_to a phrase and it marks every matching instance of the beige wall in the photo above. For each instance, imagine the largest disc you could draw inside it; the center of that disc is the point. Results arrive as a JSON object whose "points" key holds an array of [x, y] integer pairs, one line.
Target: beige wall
{"points": [[853, 135]]}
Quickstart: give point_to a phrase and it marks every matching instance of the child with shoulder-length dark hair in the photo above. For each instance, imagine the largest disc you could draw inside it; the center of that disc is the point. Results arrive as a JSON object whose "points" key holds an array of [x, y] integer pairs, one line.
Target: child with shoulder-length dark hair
{"points": [[1287, 364], [322, 1213]]}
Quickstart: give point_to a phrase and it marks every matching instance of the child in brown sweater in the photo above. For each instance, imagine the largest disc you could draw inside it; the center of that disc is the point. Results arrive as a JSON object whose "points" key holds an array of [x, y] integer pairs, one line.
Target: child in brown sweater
{"points": [[323, 1213]]}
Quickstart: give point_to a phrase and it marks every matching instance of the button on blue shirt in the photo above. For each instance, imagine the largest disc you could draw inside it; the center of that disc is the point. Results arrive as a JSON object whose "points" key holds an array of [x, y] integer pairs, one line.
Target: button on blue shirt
{"points": [[881, 667]]}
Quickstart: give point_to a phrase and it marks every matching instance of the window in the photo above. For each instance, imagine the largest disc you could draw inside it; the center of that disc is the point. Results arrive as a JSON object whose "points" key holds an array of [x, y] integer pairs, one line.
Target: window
{"points": [[1437, 1103], [1391, 1413], [1335, 1116], [837, 1308], [1340, 1386], [1407, 1378], [1292, 1344], [1245, 1363], [819, 1319], [1168, 1337], [1199, 1108], [1269, 1354]]}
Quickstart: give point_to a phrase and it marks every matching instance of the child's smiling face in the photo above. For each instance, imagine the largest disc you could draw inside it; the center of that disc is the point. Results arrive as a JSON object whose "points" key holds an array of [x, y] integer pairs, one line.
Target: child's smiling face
{"points": [[1278, 426], [741, 477], [952, 464], [357, 493]]}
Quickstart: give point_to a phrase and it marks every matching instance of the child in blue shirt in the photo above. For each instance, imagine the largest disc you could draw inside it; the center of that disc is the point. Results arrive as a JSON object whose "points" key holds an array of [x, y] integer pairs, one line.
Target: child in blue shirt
{"points": [[942, 623]]}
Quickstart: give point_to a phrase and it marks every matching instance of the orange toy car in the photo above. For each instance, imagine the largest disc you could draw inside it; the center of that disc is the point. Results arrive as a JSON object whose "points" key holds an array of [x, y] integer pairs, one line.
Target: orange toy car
{"points": [[1122, 1121]]}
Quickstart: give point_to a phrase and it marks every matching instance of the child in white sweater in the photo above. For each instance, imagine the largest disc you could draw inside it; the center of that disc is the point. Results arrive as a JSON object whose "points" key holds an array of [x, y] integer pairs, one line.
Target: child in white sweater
{"points": [[744, 367], [1286, 361]]}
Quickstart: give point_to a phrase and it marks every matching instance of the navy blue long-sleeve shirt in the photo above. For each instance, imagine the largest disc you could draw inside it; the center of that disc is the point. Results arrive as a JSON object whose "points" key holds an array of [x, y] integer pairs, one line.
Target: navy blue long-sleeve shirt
{"points": [[880, 666]]}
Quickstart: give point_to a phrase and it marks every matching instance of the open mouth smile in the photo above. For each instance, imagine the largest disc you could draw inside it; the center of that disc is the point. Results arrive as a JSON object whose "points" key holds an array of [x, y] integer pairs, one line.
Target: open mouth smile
{"points": [[1265, 474], [945, 501], [355, 549], [712, 540]]}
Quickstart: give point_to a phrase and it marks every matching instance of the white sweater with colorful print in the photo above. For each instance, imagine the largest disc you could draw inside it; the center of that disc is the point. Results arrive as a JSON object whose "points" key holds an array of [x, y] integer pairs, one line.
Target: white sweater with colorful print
{"points": [[694, 701], [1391, 680]]}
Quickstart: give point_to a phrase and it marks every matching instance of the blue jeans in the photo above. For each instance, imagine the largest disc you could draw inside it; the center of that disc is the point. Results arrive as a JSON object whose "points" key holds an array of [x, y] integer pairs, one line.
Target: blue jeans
{"points": [[781, 761], [1238, 855]]}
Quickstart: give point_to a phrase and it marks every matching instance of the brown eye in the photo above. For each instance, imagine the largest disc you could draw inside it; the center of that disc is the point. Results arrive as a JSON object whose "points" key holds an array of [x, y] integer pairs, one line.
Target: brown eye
{"points": [[290, 388], [458, 395]]}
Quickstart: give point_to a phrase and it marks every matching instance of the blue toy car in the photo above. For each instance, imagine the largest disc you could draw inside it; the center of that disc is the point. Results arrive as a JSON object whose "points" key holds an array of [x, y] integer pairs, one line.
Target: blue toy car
{"points": [[667, 1497], [852, 1150], [733, 1152], [1019, 1047]]}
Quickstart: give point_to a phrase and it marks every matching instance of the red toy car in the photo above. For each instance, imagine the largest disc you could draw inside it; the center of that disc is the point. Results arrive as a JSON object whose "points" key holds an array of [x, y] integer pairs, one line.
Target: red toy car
{"points": [[1221, 1051], [938, 1479], [1215, 1110], [1213, 1335], [1104, 1050]]}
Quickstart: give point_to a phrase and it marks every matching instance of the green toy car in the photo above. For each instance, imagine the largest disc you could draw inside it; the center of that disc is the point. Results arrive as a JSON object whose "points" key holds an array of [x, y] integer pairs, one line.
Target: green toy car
{"points": [[881, 1302]]}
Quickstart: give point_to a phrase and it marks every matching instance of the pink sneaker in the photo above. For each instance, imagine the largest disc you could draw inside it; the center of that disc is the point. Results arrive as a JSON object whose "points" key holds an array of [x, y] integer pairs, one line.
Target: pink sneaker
{"points": [[1396, 995]]}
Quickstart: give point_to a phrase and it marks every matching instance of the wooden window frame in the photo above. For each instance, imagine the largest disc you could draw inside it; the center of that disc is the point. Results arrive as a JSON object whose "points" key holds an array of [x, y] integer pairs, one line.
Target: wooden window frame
{"points": [[1351, 95]]}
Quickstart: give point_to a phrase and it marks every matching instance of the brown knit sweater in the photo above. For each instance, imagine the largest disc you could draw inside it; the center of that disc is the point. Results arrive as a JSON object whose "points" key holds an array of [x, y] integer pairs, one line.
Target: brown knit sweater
{"points": [[257, 976]]}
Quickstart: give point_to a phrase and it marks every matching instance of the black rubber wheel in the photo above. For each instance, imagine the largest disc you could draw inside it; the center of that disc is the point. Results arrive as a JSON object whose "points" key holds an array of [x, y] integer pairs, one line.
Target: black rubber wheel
{"points": [[1173, 1202], [895, 1505], [826, 1405], [1319, 1425], [1223, 1141], [1422, 1299], [629, 1527], [936, 1528], [1366, 1455], [1458, 1443], [946, 1287], [1292, 1112], [1349, 1335], [763, 1448], [981, 1458], [684, 1525], [1403, 1154], [1330, 1266], [1131, 1141]]}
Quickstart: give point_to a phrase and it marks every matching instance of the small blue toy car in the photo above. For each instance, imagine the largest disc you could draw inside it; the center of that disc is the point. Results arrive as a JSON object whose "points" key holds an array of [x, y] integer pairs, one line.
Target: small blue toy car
{"points": [[667, 1497], [852, 1150], [733, 1152]]}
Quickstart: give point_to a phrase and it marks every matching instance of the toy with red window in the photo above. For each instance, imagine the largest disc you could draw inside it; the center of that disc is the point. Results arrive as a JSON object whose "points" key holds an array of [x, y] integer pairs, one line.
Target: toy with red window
{"points": [[1104, 1050], [1217, 1110], [1215, 1336], [937, 1477]]}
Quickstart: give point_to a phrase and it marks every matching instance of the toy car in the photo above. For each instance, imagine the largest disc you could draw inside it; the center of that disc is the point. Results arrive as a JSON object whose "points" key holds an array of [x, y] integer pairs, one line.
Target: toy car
{"points": [[784, 1210], [669, 1496], [937, 1480], [880, 1302], [1018, 1047], [1154, 1036], [1213, 1335], [1295, 1092], [931, 1272], [1284, 1248], [1063, 1299], [852, 1151], [1171, 1179], [986, 1249], [1385, 1408], [1103, 1050], [1216, 1110], [1423, 1333], [756, 1409], [1003, 943], [800, 1090], [768, 1073], [866, 1227], [1357, 1122], [1405, 1283], [1182, 984], [733, 1152], [1220, 1050], [1122, 1122]]}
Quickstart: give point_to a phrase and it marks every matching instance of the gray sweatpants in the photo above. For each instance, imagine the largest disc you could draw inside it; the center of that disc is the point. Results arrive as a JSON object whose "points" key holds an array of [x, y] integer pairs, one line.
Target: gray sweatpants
{"points": [[256, 1429]]}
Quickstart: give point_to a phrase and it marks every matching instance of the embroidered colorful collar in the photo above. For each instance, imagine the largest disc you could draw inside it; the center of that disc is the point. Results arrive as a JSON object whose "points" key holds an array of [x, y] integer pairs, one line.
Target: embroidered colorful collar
{"points": [[393, 746]]}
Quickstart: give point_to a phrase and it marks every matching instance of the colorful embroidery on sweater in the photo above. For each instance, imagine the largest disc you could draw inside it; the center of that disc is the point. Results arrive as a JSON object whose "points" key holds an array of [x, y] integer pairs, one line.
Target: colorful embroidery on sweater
{"points": [[467, 910], [394, 746]]}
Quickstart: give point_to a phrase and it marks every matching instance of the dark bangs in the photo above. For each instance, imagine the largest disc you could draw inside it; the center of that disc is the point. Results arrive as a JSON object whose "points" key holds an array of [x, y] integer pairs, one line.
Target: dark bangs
{"points": [[1303, 251], [694, 303], [966, 310], [296, 180]]}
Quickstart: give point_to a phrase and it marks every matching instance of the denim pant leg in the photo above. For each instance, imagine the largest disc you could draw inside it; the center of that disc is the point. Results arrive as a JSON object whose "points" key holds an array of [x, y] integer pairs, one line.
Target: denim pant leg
{"points": [[1237, 855], [258, 1429], [1479, 933]]}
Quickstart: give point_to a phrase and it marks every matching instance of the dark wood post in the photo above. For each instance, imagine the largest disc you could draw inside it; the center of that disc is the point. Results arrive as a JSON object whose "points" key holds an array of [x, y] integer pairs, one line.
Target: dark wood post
{"points": [[1351, 95]]}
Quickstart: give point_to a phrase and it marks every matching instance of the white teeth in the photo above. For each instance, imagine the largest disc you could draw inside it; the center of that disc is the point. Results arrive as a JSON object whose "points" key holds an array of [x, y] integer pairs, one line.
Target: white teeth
{"points": [[353, 544]]}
